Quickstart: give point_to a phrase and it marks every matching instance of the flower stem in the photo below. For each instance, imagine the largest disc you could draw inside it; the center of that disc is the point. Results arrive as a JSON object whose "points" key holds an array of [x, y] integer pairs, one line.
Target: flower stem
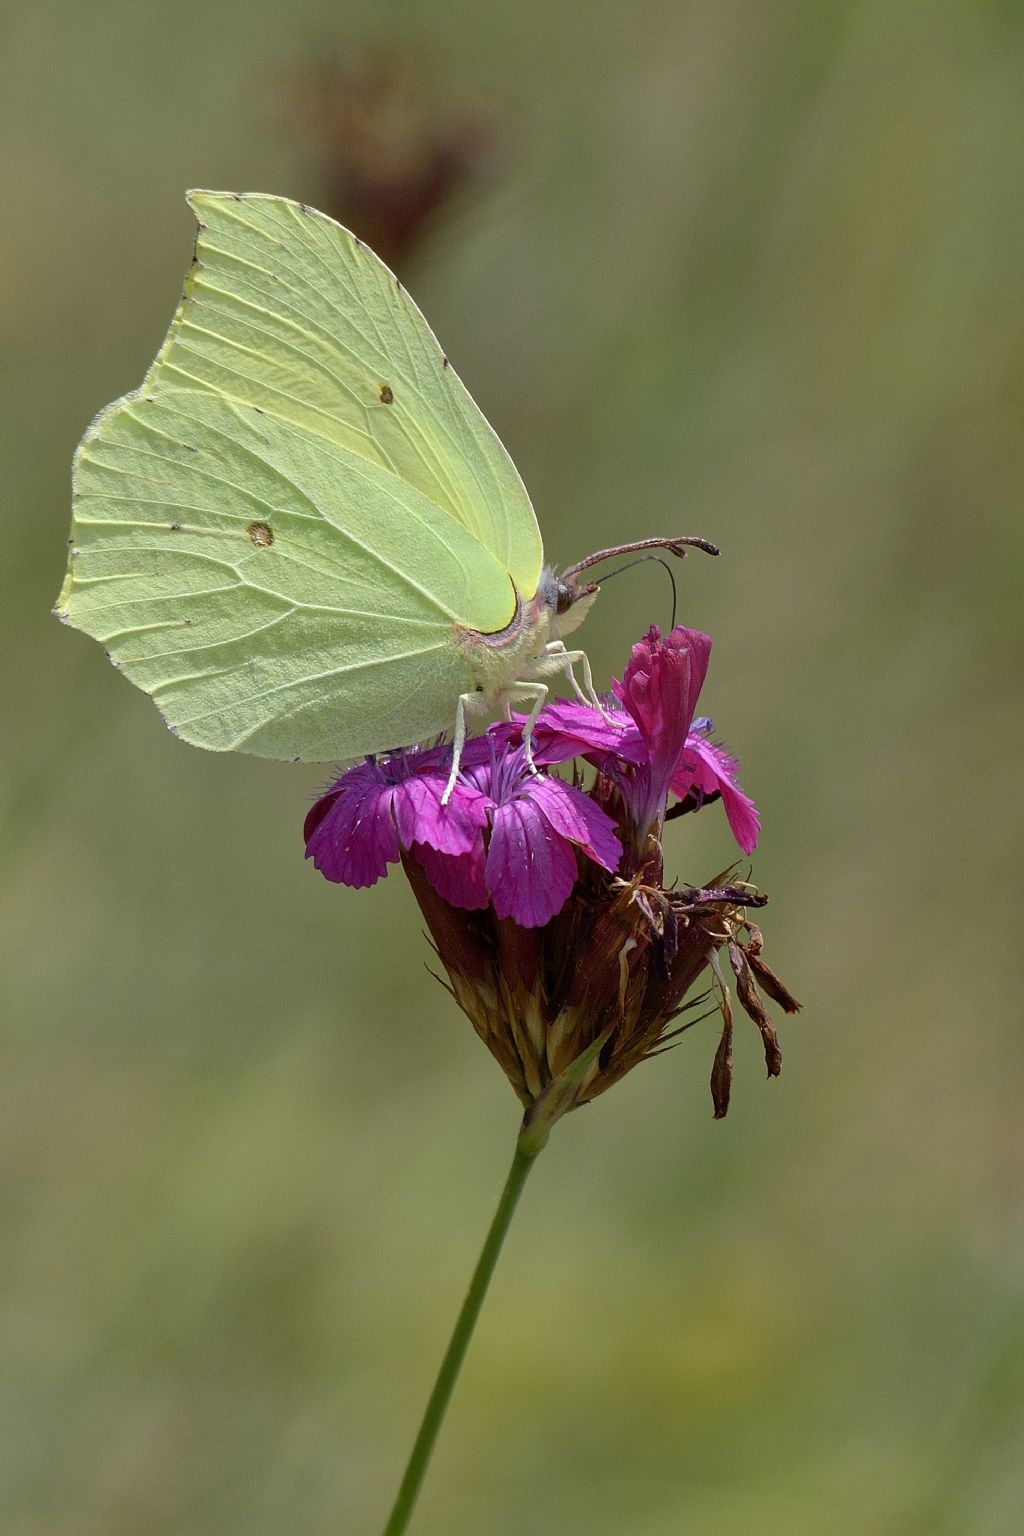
{"points": [[527, 1148]]}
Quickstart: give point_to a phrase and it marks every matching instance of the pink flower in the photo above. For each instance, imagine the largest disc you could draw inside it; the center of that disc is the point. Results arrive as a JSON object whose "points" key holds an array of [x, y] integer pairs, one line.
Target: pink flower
{"points": [[660, 689], [547, 904], [384, 805], [507, 838], [654, 745]]}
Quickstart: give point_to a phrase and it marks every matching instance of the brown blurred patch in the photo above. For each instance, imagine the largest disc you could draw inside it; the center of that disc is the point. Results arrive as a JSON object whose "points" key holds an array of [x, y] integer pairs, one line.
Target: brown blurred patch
{"points": [[392, 150]]}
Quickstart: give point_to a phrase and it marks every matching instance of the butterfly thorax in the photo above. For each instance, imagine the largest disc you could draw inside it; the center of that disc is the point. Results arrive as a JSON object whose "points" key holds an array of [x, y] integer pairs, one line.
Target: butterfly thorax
{"points": [[498, 659]]}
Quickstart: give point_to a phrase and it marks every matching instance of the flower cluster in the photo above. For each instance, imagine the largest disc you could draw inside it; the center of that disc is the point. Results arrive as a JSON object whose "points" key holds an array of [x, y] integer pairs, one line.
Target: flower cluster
{"points": [[506, 839], [546, 901]]}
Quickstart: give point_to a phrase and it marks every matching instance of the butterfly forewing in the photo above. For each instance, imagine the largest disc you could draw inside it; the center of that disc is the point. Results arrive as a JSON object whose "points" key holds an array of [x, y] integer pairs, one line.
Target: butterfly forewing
{"points": [[286, 310]]}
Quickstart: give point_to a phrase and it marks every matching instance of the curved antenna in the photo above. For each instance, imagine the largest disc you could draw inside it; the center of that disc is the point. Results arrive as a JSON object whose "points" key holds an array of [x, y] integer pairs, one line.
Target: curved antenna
{"points": [[641, 560]]}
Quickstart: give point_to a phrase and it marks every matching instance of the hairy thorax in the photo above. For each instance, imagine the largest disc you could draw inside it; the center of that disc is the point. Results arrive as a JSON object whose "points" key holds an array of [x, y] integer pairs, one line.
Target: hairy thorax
{"points": [[508, 655]]}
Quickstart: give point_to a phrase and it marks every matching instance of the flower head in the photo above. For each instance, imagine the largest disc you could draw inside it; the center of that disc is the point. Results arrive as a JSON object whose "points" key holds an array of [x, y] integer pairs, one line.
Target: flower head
{"points": [[546, 901]]}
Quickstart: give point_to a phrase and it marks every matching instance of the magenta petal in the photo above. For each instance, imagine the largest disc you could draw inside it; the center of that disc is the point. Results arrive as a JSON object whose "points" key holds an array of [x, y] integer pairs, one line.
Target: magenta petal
{"points": [[421, 818], [705, 768], [458, 878], [316, 813], [565, 730], [661, 686], [383, 805], [575, 817], [354, 840], [531, 870], [660, 689]]}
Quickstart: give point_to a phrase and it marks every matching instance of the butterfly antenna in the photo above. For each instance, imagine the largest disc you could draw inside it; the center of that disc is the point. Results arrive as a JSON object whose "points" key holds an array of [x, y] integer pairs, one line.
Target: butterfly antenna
{"points": [[640, 560]]}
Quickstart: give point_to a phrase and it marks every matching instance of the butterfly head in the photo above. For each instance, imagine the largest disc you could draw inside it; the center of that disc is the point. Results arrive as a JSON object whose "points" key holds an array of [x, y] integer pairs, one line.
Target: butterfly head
{"points": [[570, 602]]}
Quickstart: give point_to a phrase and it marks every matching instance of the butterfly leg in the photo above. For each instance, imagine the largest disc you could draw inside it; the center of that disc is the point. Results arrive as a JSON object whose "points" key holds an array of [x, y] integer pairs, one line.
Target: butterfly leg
{"points": [[465, 701], [538, 692], [469, 703], [557, 659], [566, 661]]}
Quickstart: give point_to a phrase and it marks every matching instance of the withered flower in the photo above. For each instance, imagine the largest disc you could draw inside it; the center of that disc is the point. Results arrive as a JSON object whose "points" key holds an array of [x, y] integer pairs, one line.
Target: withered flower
{"points": [[393, 152], [547, 901]]}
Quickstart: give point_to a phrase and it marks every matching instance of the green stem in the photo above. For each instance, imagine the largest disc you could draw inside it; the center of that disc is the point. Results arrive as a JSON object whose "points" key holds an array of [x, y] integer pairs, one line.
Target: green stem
{"points": [[527, 1148]]}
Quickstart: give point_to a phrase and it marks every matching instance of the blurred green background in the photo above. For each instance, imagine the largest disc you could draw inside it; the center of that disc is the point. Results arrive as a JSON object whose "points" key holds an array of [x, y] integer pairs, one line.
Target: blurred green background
{"points": [[753, 272]]}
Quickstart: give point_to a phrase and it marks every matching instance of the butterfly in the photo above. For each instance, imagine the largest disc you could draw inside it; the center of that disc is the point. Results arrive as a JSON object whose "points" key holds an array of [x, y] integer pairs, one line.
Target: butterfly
{"points": [[300, 535]]}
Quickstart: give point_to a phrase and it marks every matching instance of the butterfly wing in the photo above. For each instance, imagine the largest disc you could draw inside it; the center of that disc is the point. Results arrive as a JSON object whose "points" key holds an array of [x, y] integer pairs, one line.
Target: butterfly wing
{"points": [[277, 535], [274, 592], [287, 310]]}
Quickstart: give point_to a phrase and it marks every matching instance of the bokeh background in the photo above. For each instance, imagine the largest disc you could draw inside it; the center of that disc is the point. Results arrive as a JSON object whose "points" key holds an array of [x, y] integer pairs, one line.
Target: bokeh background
{"points": [[748, 271]]}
